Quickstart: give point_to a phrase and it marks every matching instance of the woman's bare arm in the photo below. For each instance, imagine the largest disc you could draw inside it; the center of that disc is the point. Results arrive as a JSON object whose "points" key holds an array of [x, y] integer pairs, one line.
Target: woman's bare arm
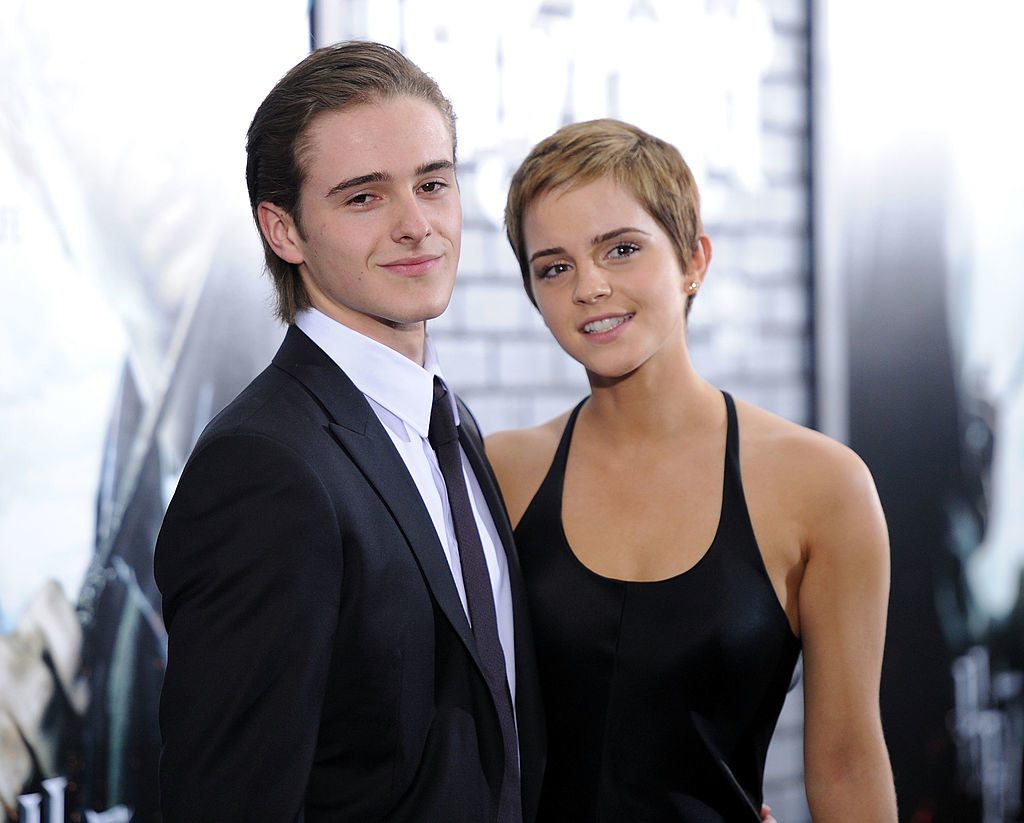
{"points": [[842, 601]]}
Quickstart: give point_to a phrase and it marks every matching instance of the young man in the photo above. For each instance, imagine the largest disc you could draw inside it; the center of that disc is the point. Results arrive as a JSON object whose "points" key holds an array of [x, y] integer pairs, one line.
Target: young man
{"points": [[347, 626]]}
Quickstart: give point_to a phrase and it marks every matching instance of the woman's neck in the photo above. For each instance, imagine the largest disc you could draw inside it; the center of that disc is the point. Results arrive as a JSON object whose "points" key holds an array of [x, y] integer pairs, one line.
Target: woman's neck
{"points": [[656, 401]]}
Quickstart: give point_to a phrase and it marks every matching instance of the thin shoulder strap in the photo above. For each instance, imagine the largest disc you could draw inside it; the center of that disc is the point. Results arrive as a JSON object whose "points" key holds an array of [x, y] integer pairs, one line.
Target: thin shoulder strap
{"points": [[562, 452], [550, 488], [732, 434]]}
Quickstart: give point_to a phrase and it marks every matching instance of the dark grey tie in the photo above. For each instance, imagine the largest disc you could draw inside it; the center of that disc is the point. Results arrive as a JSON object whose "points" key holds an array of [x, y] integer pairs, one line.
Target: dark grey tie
{"points": [[445, 441]]}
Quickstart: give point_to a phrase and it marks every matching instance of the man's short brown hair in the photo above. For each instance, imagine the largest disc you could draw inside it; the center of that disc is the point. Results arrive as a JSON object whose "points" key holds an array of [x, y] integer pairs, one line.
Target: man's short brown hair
{"points": [[333, 78]]}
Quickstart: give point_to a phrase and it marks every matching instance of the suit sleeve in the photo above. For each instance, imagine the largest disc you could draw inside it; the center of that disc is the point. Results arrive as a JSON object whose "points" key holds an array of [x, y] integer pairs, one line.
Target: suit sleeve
{"points": [[249, 565]]}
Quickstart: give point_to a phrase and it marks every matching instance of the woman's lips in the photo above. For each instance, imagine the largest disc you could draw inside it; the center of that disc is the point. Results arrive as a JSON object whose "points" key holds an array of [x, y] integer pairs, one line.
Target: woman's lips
{"points": [[603, 325]]}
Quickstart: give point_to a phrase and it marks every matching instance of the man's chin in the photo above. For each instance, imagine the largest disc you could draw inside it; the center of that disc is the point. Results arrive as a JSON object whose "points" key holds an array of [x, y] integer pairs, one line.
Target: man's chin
{"points": [[434, 309]]}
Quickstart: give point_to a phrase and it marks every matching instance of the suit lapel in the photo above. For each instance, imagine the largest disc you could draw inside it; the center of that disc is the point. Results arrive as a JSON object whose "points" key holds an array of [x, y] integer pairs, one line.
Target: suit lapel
{"points": [[361, 435], [488, 484], [529, 714]]}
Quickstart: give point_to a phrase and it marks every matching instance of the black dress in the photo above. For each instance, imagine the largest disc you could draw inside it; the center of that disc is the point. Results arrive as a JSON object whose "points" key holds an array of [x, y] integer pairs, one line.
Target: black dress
{"points": [[661, 697]]}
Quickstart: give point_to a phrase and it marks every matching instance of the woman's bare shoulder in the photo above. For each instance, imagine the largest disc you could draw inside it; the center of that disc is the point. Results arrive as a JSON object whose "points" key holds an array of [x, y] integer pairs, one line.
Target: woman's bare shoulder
{"points": [[796, 446], [821, 471], [521, 458]]}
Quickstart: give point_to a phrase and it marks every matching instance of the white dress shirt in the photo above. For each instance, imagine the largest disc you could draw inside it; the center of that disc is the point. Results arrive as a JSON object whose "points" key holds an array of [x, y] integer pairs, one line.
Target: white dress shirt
{"points": [[401, 393]]}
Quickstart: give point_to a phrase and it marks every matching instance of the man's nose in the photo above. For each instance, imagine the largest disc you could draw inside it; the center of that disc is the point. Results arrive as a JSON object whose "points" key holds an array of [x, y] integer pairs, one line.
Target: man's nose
{"points": [[411, 224]]}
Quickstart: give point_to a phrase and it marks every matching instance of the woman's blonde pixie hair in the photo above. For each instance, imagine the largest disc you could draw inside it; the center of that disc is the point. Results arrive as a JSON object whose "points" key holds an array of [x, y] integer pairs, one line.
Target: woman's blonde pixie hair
{"points": [[651, 169]]}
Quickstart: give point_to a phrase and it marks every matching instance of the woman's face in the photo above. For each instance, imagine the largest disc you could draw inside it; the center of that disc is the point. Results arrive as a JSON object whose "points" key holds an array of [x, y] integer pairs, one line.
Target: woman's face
{"points": [[606, 277]]}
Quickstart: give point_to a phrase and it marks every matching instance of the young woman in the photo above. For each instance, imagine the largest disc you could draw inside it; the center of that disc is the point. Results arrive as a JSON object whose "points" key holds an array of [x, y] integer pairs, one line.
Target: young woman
{"points": [[680, 548]]}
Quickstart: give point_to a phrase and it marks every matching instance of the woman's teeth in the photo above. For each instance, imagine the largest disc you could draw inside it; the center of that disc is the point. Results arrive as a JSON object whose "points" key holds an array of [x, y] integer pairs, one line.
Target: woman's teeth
{"points": [[609, 323]]}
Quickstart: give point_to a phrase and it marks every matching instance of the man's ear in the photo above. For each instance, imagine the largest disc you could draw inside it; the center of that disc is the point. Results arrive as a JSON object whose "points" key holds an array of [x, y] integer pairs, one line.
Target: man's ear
{"points": [[280, 232]]}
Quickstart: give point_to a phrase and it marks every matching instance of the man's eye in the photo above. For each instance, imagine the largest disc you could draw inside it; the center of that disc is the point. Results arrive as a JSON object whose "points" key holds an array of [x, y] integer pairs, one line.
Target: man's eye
{"points": [[434, 186], [360, 199]]}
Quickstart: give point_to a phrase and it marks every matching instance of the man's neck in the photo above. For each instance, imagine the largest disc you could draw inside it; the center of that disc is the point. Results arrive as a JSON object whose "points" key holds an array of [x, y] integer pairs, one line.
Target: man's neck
{"points": [[408, 339]]}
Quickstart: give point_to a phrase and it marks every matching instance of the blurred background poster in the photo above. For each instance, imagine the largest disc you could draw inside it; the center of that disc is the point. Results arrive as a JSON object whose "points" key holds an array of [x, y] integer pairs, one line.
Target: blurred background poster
{"points": [[863, 188], [131, 309], [921, 238]]}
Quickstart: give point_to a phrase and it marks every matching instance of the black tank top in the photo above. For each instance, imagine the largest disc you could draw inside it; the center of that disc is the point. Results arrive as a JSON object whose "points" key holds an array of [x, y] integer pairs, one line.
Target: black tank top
{"points": [[661, 697]]}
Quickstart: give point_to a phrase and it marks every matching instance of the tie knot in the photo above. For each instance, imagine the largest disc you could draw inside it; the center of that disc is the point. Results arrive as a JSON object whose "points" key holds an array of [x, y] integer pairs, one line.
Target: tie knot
{"points": [[442, 421]]}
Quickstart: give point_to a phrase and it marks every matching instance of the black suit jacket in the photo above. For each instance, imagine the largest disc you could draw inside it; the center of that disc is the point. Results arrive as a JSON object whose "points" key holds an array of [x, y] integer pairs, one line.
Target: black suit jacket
{"points": [[320, 664]]}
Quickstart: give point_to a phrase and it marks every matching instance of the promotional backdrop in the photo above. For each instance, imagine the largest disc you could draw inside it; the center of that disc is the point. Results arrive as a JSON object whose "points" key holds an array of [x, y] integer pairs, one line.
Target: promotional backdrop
{"points": [[132, 305], [920, 239], [131, 309]]}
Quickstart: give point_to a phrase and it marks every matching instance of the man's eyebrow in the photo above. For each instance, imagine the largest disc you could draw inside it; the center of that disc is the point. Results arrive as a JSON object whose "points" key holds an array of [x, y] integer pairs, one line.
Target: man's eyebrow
{"points": [[601, 238], [385, 177], [435, 165], [361, 180]]}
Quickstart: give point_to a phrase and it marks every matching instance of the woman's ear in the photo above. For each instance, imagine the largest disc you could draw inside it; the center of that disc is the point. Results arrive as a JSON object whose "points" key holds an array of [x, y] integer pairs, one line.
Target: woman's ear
{"points": [[280, 232], [705, 244], [699, 260]]}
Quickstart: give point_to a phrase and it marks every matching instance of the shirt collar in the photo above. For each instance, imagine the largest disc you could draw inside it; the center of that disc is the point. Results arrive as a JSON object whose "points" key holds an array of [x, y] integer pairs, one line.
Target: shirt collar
{"points": [[392, 380]]}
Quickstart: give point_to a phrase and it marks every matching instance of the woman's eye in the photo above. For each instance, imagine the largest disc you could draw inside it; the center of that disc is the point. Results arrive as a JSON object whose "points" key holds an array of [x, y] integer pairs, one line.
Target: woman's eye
{"points": [[620, 250], [553, 270]]}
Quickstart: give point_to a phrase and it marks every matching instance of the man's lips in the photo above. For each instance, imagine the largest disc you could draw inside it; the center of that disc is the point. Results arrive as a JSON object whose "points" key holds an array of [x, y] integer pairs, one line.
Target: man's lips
{"points": [[420, 264], [601, 325]]}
